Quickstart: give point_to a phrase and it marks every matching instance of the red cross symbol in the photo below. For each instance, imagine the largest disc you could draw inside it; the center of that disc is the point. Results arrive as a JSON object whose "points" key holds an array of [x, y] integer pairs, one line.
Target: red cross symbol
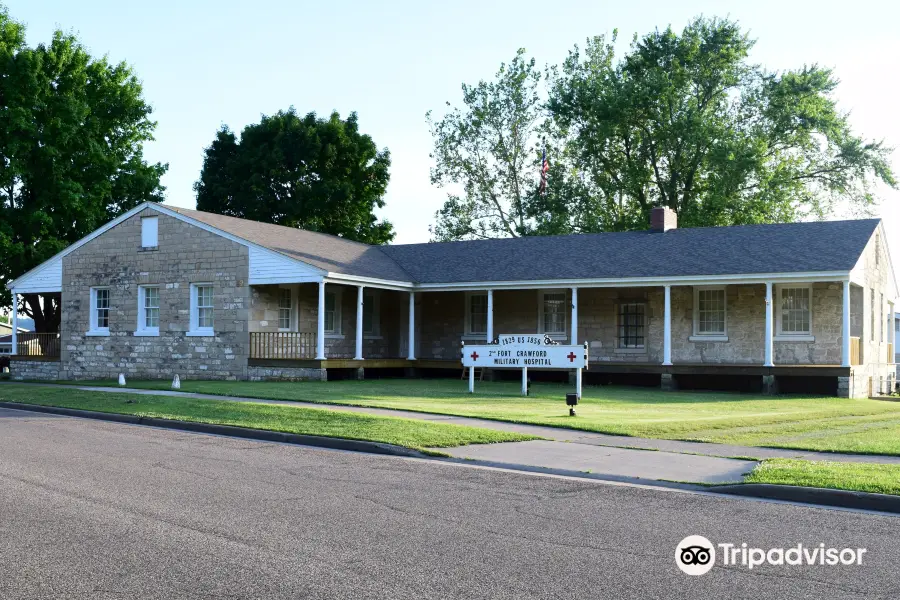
{"points": [[474, 356], [571, 356]]}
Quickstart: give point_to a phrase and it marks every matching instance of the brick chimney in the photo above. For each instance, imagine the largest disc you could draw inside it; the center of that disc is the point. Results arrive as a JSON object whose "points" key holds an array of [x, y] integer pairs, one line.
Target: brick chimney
{"points": [[662, 218]]}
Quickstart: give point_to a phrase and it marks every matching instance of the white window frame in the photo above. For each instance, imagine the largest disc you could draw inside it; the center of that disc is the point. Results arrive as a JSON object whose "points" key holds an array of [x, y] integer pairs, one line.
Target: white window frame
{"points": [[375, 297], [196, 330], [94, 329], [790, 336], [292, 319], [142, 329], [709, 336], [541, 300], [149, 234], [337, 331], [468, 312]]}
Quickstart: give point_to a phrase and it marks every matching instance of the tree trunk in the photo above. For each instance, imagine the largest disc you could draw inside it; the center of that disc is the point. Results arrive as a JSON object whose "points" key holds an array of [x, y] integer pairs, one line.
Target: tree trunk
{"points": [[46, 317]]}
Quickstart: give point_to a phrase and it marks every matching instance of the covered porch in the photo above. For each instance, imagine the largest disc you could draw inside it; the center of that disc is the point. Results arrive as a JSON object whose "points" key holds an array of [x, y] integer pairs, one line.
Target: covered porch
{"points": [[331, 325]]}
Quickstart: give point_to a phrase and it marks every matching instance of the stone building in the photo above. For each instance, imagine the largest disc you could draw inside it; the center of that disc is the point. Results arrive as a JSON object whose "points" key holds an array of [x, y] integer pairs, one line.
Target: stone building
{"points": [[162, 291]]}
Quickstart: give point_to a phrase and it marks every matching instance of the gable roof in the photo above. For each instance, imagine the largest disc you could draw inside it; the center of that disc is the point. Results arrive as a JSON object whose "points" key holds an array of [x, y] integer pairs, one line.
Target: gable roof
{"points": [[328, 252], [738, 250], [793, 248]]}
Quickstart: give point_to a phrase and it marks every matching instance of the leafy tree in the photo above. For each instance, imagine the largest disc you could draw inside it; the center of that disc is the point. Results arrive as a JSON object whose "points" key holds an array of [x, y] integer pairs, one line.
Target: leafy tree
{"points": [[489, 153], [316, 174], [688, 122], [72, 129]]}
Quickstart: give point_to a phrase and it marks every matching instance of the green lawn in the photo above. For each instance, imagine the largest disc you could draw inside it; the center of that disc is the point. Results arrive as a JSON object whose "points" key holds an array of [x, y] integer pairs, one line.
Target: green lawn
{"points": [[308, 421], [807, 423], [862, 477]]}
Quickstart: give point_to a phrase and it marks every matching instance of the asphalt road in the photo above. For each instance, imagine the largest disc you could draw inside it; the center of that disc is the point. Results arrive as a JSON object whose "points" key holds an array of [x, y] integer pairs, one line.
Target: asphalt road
{"points": [[102, 510]]}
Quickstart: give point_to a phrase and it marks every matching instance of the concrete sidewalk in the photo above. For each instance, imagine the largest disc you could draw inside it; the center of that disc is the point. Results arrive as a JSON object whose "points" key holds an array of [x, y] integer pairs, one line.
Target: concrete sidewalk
{"points": [[607, 461], [567, 449]]}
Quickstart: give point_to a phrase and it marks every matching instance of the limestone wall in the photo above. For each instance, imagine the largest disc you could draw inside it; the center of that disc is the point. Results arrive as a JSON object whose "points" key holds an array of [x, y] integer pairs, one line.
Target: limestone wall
{"points": [[185, 255], [41, 370]]}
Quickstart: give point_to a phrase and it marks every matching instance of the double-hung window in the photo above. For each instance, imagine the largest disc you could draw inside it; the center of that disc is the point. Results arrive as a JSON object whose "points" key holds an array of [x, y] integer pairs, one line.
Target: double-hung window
{"points": [[709, 312], [148, 310], [285, 309], [794, 312], [552, 312], [632, 325], [476, 313], [201, 309], [333, 312], [99, 317], [371, 314]]}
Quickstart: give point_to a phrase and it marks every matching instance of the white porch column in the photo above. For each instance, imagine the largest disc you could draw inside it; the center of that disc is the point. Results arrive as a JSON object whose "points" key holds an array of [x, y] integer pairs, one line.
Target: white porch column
{"points": [[845, 326], [769, 313], [15, 322], [667, 327], [574, 339], [490, 316], [359, 321], [411, 355], [320, 325]]}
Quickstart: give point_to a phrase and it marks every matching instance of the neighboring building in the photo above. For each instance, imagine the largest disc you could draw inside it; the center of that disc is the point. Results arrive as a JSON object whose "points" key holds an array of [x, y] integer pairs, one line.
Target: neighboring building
{"points": [[164, 290], [6, 336]]}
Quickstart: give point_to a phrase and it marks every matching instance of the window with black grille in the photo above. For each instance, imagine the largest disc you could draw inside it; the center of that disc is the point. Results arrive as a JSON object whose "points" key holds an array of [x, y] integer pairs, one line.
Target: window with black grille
{"points": [[631, 325]]}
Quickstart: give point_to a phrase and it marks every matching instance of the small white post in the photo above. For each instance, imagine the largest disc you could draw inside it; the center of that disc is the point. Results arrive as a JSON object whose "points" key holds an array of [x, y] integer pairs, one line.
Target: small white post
{"points": [[15, 322], [667, 327], [411, 355], [122, 379], [471, 380], [359, 322], [574, 339], [320, 324], [578, 383], [845, 326], [176, 382], [769, 311], [490, 316], [524, 381]]}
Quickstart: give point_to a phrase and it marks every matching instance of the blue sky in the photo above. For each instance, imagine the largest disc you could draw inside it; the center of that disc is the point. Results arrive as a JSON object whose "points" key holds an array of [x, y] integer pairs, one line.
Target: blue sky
{"points": [[204, 64]]}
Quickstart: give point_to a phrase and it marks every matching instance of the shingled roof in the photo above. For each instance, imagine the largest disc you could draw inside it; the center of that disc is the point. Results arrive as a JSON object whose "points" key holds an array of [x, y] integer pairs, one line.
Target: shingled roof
{"points": [[739, 250], [329, 252]]}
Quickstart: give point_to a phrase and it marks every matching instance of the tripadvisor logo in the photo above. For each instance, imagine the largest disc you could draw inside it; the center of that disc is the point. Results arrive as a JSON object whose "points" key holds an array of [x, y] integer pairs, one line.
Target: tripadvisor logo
{"points": [[696, 555]]}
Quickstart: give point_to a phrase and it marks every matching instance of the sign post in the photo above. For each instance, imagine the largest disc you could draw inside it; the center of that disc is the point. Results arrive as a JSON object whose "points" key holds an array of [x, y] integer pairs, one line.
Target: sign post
{"points": [[525, 351]]}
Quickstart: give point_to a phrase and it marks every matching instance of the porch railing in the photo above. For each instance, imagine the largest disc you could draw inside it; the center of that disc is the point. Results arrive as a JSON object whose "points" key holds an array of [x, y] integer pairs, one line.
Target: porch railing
{"points": [[37, 344], [854, 351], [282, 344]]}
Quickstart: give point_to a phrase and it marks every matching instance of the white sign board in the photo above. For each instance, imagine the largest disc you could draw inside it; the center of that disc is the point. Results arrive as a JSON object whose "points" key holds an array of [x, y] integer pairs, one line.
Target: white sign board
{"points": [[525, 351], [516, 356]]}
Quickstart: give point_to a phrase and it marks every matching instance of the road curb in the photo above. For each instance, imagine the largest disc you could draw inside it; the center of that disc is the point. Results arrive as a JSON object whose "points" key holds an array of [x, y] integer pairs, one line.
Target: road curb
{"points": [[810, 495], [227, 430]]}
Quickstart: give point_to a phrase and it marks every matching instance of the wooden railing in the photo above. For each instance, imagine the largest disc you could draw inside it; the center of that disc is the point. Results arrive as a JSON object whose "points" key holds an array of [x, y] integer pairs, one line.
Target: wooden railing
{"points": [[854, 351], [37, 344], [282, 344]]}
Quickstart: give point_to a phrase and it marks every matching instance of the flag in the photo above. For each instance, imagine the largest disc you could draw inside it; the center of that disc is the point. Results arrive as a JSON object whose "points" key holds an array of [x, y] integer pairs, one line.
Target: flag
{"points": [[545, 166]]}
